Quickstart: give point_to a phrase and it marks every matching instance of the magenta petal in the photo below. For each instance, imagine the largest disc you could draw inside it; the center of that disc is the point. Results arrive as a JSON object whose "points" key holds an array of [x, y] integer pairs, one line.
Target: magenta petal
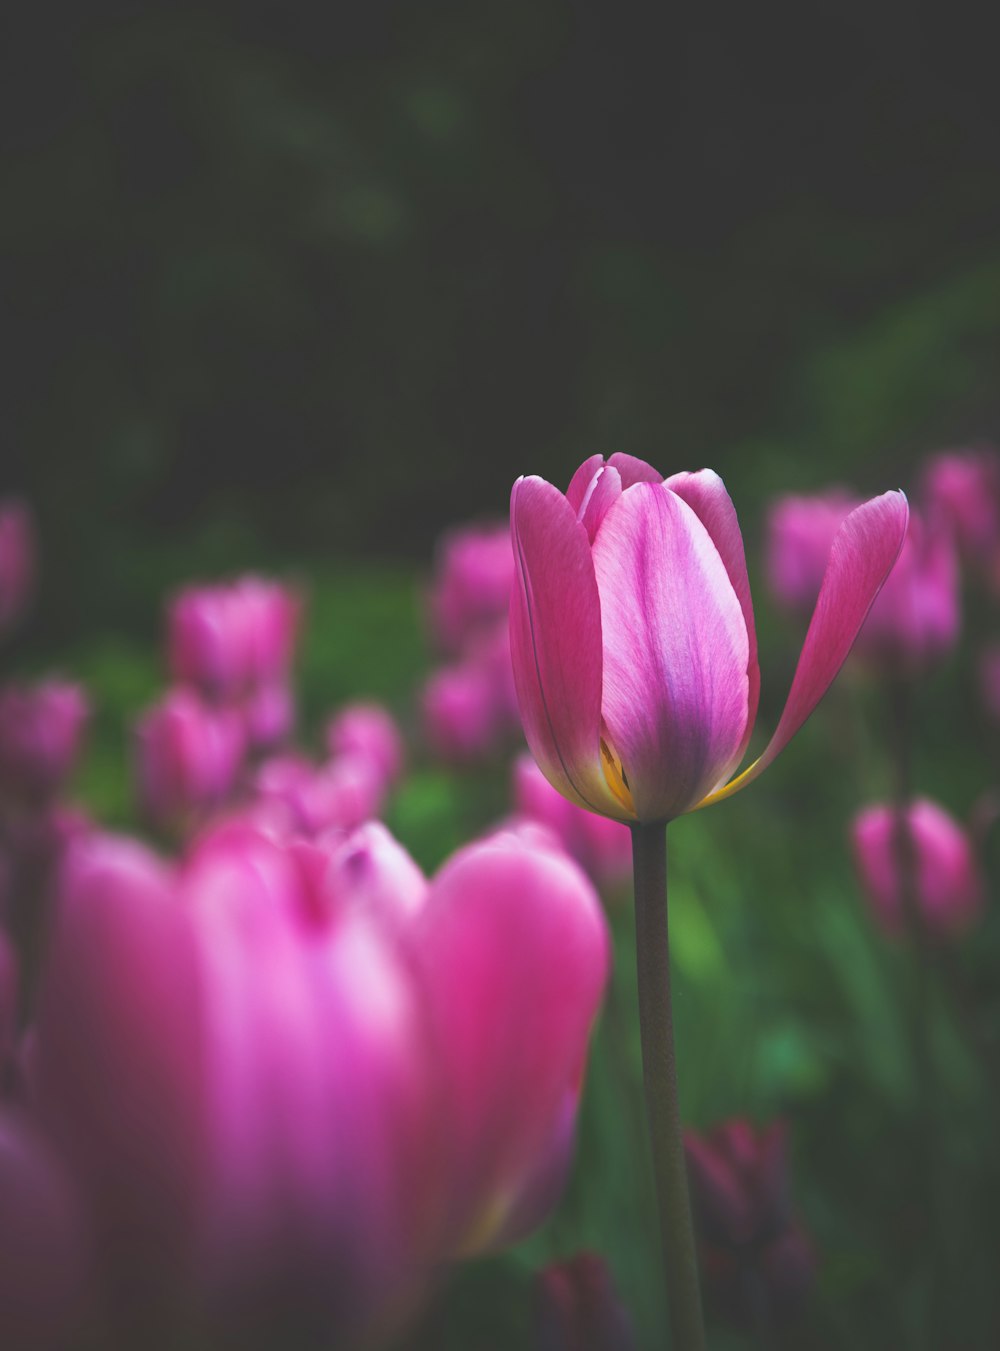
{"points": [[633, 470], [863, 553], [705, 493], [582, 480], [675, 651], [605, 489], [555, 643]]}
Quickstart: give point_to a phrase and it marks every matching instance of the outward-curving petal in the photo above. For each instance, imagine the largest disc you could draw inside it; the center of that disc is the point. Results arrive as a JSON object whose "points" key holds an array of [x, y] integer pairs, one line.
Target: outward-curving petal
{"points": [[555, 643], [675, 651], [705, 493], [863, 553]]}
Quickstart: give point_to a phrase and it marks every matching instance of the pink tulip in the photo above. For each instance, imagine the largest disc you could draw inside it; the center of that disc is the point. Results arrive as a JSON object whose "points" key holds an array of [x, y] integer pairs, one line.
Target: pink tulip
{"points": [[578, 1308], [948, 884], [916, 617], [43, 1245], [341, 794], [230, 637], [268, 716], [632, 634], [187, 757], [963, 488], [602, 847], [41, 733], [459, 710], [369, 731], [17, 561], [474, 571], [757, 1263], [799, 534]]}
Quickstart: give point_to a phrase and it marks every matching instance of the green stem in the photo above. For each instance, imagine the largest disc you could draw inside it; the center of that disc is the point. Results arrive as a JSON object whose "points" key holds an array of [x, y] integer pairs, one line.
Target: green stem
{"points": [[659, 1072]]}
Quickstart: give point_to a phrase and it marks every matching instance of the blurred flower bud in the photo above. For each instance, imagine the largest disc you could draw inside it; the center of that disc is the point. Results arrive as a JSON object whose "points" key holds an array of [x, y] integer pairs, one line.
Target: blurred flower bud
{"points": [[367, 730], [269, 716], [799, 534], [41, 733], [17, 561], [757, 1264], [601, 846], [340, 795], [460, 713], [187, 757], [948, 885], [577, 1308], [962, 487], [470, 592], [232, 636]]}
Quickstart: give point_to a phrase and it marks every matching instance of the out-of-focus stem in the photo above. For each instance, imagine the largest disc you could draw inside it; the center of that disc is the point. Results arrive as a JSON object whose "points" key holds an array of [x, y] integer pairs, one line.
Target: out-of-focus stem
{"points": [[659, 1072]]}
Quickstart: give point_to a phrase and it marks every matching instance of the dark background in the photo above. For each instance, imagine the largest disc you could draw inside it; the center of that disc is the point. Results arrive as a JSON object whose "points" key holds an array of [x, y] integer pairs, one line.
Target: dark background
{"points": [[314, 285]]}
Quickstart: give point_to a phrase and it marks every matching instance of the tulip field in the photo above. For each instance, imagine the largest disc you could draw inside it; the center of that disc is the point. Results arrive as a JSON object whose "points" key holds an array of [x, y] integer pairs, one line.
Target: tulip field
{"points": [[335, 1002]]}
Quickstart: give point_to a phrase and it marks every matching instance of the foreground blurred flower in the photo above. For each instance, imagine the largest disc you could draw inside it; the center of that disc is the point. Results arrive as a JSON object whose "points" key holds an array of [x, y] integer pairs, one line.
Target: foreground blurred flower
{"points": [[292, 1078], [233, 636], [757, 1262], [41, 732], [948, 886], [17, 560], [187, 757], [633, 641], [578, 1309], [603, 848], [474, 570]]}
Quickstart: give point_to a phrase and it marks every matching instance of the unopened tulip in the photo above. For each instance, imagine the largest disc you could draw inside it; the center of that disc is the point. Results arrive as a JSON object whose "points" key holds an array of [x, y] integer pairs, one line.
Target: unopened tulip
{"points": [[602, 847], [268, 716], [474, 571], [17, 561], [799, 534], [633, 641], [459, 710], [963, 488], [41, 733], [228, 638], [367, 730], [187, 757], [757, 1263], [578, 1308], [341, 794], [947, 883]]}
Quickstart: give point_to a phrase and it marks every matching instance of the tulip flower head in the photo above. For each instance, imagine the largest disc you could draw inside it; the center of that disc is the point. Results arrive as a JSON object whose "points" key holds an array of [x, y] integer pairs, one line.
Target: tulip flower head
{"points": [[799, 534], [948, 885], [633, 640], [471, 589], [41, 733], [963, 487], [367, 730], [187, 756]]}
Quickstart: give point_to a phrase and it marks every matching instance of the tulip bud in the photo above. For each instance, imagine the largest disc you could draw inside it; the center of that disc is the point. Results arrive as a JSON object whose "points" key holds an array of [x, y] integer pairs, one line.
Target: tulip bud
{"points": [[947, 884], [578, 1309], [474, 571], [187, 757], [799, 535], [17, 561], [460, 713], [602, 847], [757, 1263], [268, 716], [367, 730], [962, 487], [341, 794], [228, 638], [41, 732]]}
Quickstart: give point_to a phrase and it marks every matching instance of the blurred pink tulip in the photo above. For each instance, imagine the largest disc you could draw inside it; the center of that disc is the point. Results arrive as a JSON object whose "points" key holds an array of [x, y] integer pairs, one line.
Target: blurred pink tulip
{"points": [[602, 847], [633, 641], [799, 534], [17, 560], [962, 487], [41, 734], [367, 730], [268, 716], [916, 617], [578, 1308], [949, 887], [187, 757], [460, 713], [470, 593], [232, 636], [341, 794], [757, 1263], [43, 1245]]}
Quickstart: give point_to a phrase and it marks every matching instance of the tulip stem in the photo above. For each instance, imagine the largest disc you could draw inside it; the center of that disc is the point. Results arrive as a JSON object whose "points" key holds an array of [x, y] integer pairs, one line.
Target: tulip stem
{"points": [[659, 1072]]}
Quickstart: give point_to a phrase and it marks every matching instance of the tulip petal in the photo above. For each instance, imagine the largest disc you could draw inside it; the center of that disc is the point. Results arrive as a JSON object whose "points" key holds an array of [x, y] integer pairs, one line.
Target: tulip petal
{"points": [[605, 489], [675, 651], [864, 551], [582, 480], [706, 495], [634, 470], [555, 643]]}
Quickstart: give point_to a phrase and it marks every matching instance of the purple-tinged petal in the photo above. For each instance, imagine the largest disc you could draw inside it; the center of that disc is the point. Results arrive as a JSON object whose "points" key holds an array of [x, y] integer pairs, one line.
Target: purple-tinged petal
{"points": [[634, 470], [863, 553], [705, 493], [582, 480], [675, 651], [605, 489], [555, 644]]}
